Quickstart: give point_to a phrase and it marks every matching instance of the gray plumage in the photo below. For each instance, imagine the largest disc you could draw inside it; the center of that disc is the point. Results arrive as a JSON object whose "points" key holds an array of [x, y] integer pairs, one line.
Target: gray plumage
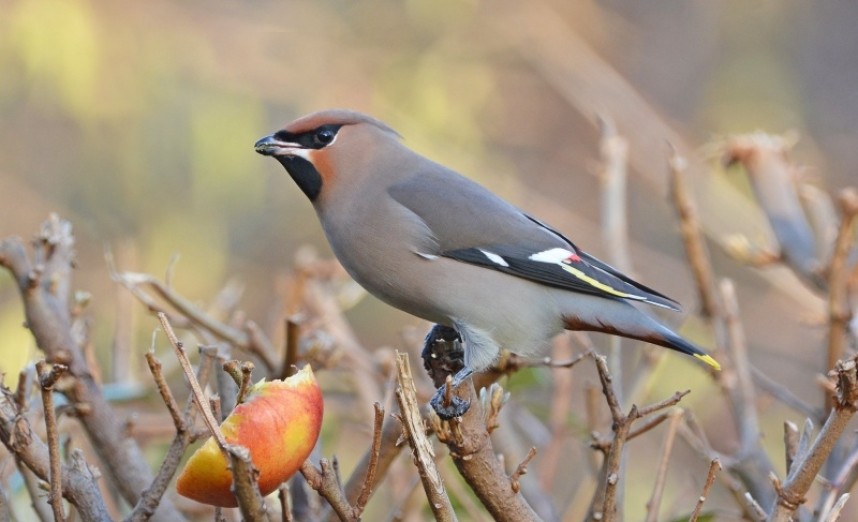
{"points": [[437, 245]]}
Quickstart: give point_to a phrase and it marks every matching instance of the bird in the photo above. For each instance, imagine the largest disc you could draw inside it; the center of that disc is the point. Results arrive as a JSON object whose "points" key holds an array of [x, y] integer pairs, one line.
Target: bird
{"points": [[436, 244]]}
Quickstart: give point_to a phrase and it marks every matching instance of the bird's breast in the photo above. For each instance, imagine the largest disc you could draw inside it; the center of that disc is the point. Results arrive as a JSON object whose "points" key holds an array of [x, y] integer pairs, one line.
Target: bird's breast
{"points": [[378, 245]]}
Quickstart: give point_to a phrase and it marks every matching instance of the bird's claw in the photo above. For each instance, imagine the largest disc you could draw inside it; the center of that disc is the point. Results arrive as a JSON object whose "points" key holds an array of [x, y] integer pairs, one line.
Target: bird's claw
{"points": [[448, 407]]}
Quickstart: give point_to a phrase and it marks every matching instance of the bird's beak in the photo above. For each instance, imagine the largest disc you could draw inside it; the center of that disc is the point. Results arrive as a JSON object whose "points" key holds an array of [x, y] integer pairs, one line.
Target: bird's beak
{"points": [[271, 146]]}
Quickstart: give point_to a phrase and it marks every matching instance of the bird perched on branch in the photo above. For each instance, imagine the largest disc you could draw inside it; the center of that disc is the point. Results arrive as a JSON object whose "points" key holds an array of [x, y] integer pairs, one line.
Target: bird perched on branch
{"points": [[437, 245]]}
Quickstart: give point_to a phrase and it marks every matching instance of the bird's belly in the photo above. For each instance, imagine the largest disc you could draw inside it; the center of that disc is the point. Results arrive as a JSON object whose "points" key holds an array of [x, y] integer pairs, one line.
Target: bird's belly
{"points": [[513, 313]]}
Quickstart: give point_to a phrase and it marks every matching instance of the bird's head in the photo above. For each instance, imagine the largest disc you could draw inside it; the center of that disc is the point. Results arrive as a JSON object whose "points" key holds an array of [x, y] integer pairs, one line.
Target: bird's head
{"points": [[313, 149]]}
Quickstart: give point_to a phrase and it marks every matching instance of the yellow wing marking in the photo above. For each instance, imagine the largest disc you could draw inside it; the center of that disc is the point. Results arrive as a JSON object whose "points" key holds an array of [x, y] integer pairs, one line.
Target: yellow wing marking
{"points": [[596, 284]]}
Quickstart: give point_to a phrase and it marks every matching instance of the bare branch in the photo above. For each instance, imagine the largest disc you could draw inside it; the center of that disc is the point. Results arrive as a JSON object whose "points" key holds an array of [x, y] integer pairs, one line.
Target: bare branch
{"points": [[252, 340], [521, 469], [714, 467], [366, 490], [834, 514], [765, 158], [388, 451], [661, 475], [183, 421], [604, 504], [421, 448], [45, 287], [804, 471], [47, 379], [790, 443], [692, 236], [783, 394], [285, 503], [196, 390], [838, 308], [842, 483], [242, 374], [291, 342], [78, 485], [745, 404], [245, 487], [613, 149], [325, 482], [155, 367], [755, 509]]}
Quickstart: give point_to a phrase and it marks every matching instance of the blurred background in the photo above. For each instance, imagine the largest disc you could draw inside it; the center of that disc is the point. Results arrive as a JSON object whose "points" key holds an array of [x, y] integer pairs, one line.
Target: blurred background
{"points": [[136, 121]]}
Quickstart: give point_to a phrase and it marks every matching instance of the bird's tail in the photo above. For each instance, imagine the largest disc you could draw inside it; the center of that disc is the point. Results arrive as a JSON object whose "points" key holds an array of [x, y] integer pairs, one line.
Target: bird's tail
{"points": [[620, 318]]}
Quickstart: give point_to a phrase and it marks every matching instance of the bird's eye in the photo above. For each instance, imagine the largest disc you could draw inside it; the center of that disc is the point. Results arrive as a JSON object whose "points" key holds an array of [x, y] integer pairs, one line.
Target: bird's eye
{"points": [[323, 137]]}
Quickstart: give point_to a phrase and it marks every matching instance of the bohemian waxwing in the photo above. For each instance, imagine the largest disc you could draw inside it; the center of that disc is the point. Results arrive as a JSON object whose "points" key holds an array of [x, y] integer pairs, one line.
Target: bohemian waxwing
{"points": [[437, 245]]}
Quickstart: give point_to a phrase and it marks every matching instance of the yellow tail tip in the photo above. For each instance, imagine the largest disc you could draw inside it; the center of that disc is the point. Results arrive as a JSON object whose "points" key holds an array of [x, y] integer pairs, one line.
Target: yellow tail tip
{"points": [[708, 360]]}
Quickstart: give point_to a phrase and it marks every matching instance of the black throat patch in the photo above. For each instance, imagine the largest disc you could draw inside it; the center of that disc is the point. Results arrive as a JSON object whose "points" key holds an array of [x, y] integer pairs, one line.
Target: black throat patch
{"points": [[304, 173]]}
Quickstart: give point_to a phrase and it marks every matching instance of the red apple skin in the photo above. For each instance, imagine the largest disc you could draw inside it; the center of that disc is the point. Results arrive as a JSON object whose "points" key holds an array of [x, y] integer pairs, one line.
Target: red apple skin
{"points": [[279, 423]]}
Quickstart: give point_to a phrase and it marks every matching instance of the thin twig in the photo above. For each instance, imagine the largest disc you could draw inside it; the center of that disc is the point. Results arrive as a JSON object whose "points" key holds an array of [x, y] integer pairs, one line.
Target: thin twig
{"points": [[714, 467], [22, 392], [155, 367], [252, 339], [838, 308], [151, 497], [366, 490], [751, 463], [746, 412], [285, 503], [649, 425], [783, 394], [604, 505], [613, 150], [242, 374], [79, 486], [673, 400], [834, 514], [692, 236], [661, 475], [47, 379], [559, 409], [388, 451], [521, 469], [246, 381], [755, 508], [514, 363], [324, 481], [290, 359], [790, 443], [799, 480], [244, 484], [766, 159], [841, 483], [197, 392], [421, 448], [215, 405], [38, 500]]}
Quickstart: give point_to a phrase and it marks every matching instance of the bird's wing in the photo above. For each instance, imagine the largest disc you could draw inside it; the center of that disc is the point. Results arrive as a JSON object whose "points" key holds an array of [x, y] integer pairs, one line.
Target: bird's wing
{"points": [[472, 225]]}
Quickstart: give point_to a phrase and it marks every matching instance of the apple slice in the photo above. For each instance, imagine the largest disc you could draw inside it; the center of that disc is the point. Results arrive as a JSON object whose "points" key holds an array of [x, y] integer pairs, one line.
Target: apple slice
{"points": [[278, 423]]}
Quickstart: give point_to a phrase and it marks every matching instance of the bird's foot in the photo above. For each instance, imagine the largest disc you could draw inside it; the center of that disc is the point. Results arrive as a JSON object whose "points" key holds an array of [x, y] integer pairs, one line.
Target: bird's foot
{"points": [[446, 403], [453, 408]]}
